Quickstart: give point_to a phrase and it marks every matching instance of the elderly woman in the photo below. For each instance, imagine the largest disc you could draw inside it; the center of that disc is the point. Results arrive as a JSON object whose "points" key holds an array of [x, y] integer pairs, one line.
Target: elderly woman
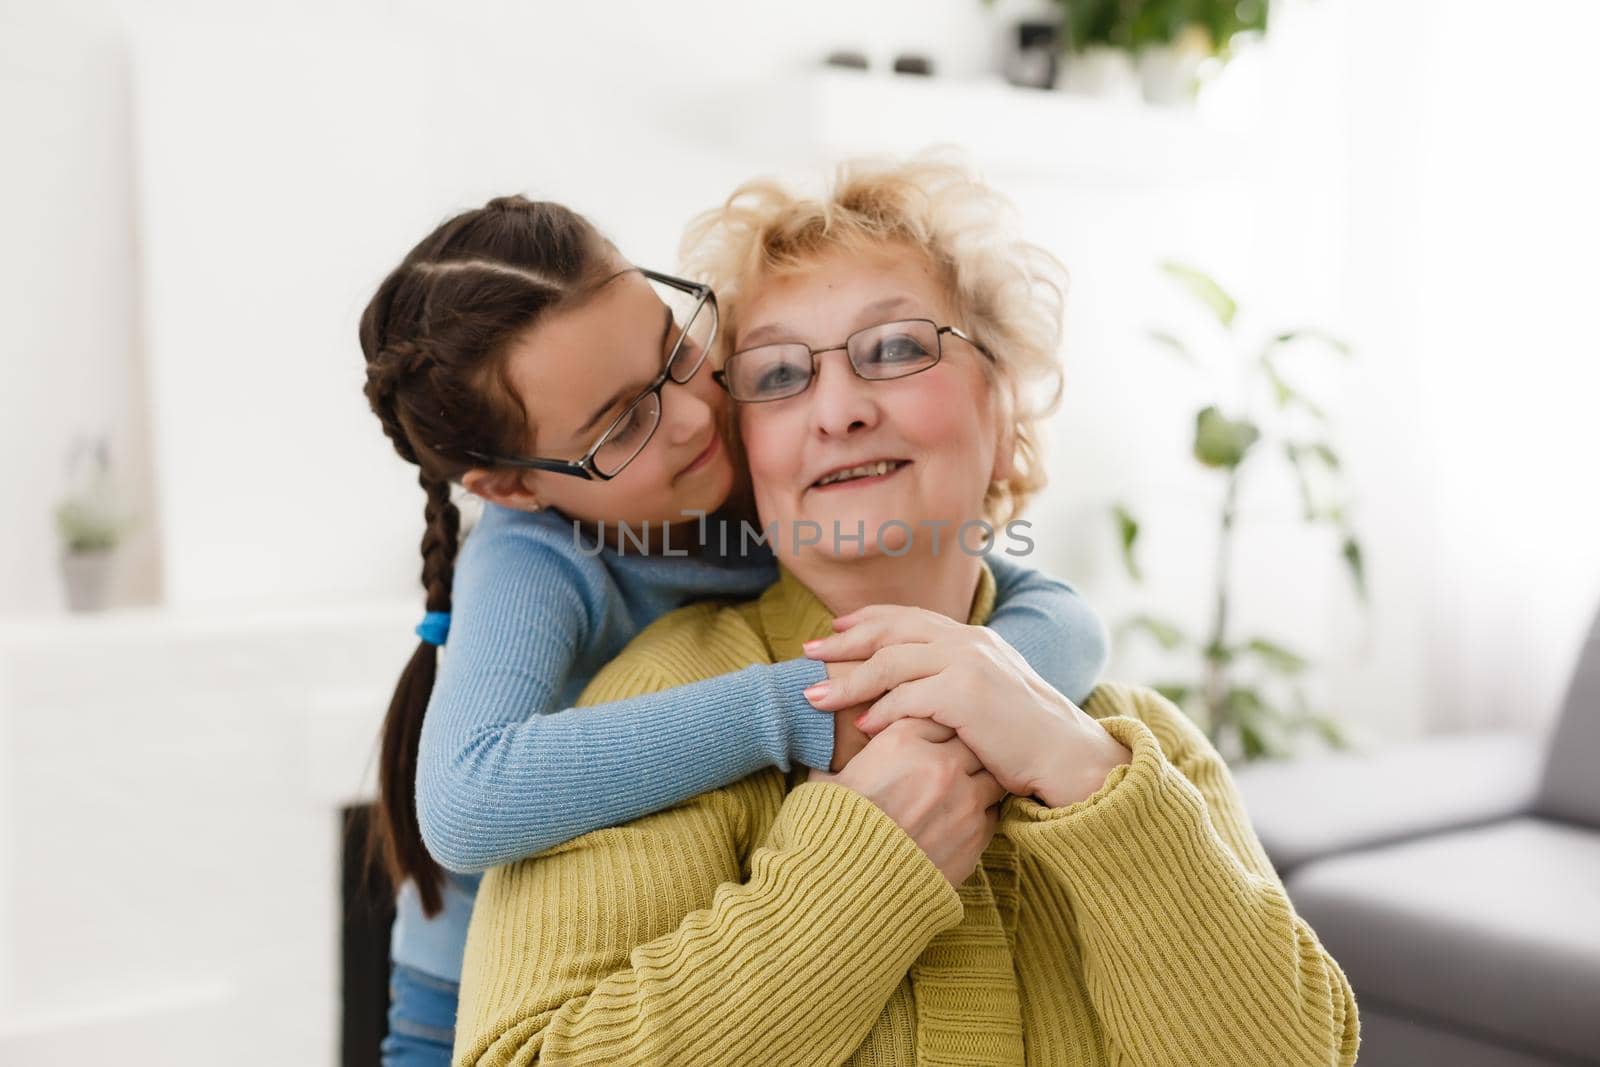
{"points": [[998, 877]]}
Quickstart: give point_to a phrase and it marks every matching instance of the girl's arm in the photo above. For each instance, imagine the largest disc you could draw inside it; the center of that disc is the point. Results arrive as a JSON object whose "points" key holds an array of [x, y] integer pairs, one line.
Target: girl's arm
{"points": [[502, 774], [1052, 626]]}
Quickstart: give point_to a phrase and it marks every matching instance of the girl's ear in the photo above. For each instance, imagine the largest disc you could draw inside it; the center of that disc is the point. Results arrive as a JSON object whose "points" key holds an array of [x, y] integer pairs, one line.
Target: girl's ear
{"points": [[508, 488]]}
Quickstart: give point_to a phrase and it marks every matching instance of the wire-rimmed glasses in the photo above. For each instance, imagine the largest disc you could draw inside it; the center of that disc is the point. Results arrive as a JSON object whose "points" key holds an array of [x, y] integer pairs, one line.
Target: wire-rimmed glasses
{"points": [[877, 353]]}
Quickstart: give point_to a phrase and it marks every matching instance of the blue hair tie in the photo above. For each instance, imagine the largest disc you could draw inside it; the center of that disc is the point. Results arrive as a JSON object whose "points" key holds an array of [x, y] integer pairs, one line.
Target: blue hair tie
{"points": [[434, 627]]}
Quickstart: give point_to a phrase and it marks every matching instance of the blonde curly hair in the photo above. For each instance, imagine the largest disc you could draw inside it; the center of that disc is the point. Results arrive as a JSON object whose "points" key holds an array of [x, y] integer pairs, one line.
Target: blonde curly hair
{"points": [[1010, 294]]}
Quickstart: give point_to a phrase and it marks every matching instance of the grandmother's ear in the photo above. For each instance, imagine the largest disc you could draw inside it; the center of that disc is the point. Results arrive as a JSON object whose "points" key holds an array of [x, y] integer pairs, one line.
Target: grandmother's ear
{"points": [[1005, 422], [1005, 454], [508, 488]]}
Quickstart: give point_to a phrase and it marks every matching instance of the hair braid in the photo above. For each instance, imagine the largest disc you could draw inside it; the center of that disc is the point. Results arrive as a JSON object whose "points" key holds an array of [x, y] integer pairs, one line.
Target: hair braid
{"points": [[439, 541], [434, 336]]}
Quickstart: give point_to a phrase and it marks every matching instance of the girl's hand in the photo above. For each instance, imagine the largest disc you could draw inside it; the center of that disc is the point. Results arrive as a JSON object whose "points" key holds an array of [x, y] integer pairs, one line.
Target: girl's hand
{"points": [[920, 664], [847, 736]]}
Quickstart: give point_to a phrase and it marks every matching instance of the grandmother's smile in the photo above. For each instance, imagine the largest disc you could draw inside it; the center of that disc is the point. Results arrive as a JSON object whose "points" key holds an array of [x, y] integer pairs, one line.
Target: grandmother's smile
{"points": [[873, 472]]}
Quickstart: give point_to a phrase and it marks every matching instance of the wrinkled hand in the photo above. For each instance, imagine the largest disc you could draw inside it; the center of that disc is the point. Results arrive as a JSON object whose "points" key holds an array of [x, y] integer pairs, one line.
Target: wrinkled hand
{"points": [[933, 787], [918, 664]]}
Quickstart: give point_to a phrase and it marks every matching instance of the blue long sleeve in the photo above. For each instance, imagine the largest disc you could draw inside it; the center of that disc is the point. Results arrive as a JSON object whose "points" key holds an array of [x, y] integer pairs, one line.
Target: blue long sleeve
{"points": [[1052, 626], [503, 774]]}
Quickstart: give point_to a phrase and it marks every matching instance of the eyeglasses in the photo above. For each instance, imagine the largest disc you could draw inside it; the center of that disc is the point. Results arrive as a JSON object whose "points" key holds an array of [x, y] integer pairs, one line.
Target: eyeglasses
{"points": [[877, 353], [691, 330]]}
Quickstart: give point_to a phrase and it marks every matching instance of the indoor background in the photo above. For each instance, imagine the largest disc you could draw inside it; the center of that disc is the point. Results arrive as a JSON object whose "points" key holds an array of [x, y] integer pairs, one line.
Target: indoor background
{"points": [[197, 199]]}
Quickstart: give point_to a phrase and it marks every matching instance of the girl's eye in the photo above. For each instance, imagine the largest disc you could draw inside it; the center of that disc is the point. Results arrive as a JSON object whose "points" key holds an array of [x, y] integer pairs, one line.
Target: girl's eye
{"points": [[629, 430]]}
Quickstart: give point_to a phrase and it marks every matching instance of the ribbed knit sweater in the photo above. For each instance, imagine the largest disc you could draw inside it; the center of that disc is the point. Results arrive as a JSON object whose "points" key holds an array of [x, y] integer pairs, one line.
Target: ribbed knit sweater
{"points": [[778, 921], [506, 768]]}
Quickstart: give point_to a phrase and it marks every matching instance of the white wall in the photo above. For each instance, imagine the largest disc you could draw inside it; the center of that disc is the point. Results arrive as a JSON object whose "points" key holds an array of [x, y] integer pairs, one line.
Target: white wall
{"points": [[68, 290], [286, 156], [1473, 266]]}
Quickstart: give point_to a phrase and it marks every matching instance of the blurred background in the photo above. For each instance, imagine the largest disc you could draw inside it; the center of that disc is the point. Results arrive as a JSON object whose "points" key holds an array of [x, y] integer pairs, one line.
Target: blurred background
{"points": [[1360, 235]]}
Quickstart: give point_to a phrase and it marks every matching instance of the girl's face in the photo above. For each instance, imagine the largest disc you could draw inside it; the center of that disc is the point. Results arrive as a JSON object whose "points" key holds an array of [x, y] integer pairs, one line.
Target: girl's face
{"points": [[938, 427], [580, 368]]}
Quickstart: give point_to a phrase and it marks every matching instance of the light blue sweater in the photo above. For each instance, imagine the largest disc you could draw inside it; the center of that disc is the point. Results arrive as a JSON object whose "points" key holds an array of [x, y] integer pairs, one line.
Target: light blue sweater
{"points": [[503, 774]]}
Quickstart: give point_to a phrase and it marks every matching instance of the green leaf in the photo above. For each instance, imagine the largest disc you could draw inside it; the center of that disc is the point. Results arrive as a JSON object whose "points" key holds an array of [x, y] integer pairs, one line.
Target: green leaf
{"points": [[1308, 507], [1285, 394], [1178, 694], [1257, 722], [1326, 453], [1174, 345], [1329, 730], [1354, 561], [1205, 289], [1276, 657], [1128, 535], [1220, 441], [1254, 743], [1320, 336], [1167, 634], [1245, 703]]}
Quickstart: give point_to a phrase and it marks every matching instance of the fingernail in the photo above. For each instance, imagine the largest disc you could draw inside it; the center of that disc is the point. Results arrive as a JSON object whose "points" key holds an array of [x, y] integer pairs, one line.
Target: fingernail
{"points": [[812, 646], [816, 692], [861, 719]]}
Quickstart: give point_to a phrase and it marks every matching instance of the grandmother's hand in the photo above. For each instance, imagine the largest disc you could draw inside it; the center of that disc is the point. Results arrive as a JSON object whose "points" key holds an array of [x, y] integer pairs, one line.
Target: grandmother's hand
{"points": [[933, 787], [920, 664]]}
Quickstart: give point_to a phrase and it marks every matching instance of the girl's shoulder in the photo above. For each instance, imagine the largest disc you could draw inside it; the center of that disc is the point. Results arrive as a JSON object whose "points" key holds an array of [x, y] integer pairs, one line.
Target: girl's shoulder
{"points": [[536, 540]]}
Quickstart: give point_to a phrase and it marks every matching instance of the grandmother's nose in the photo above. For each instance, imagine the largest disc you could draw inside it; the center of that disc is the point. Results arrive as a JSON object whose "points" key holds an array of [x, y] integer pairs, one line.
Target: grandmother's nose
{"points": [[841, 402]]}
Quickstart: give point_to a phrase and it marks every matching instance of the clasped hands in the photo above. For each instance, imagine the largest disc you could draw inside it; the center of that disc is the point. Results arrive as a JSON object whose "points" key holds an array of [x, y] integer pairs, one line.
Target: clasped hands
{"points": [[936, 721]]}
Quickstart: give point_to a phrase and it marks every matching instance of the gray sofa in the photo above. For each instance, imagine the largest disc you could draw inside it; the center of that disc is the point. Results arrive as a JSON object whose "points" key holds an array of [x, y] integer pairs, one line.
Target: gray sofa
{"points": [[1457, 881]]}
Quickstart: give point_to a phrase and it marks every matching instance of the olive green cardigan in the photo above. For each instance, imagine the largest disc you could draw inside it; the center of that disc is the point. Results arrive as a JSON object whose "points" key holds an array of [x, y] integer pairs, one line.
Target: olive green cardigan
{"points": [[778, 921]]}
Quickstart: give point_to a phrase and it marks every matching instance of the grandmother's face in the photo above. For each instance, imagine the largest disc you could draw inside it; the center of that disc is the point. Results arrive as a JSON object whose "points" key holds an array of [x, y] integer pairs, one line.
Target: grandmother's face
{"points": [[936, 429]]}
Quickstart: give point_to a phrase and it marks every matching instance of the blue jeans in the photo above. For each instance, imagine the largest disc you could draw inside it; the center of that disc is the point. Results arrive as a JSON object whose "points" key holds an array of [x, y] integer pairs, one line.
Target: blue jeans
{"points": [[422, 1019]]}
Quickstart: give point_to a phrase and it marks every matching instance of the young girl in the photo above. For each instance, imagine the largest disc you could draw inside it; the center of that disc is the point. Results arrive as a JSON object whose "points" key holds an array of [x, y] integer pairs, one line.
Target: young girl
{"points": [[516, 353]]}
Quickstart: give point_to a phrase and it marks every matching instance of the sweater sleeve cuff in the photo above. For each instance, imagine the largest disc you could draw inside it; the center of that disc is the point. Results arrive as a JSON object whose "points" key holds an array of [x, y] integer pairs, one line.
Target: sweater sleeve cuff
{"points": [[810, 731], [883, 869], [1138, 799]]}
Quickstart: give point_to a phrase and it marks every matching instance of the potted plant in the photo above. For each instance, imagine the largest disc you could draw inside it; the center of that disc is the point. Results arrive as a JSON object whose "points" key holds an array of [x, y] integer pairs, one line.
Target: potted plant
{"points": [[1249, 693], [1174, 40], [1097, 37], [90, 525]]}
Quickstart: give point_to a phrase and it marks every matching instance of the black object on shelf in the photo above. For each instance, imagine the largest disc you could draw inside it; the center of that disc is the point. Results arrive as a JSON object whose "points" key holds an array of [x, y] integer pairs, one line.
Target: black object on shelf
{"points": [[1033, 64], [848, 59], [913, 64]]}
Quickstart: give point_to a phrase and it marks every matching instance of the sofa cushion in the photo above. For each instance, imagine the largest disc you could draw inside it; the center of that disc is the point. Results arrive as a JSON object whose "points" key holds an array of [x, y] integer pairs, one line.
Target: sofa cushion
{"points": [[1494, 930], [1303, 809], [1402, 1041], [1571, 788]]}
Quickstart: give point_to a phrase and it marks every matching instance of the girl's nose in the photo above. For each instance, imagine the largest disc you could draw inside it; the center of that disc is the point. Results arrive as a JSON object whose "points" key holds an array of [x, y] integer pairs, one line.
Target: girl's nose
{"points": [[687, 408]]}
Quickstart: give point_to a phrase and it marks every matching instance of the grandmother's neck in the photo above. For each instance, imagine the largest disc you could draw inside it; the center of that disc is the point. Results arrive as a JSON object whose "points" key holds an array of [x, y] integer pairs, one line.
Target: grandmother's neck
{"points": [[945, 583]]}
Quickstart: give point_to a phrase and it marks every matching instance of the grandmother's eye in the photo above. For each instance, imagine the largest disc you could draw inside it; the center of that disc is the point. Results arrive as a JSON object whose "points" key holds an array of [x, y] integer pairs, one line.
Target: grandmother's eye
{"points": [[898, 348]]}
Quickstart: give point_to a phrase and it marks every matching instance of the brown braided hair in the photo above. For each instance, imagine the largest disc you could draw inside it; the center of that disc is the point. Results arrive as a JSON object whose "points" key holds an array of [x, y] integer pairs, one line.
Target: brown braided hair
{"points": [[435, 337]]}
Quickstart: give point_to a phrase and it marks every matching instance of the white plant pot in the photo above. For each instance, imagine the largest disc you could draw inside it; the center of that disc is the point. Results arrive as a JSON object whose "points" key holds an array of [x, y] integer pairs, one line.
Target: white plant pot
{"points": [[86, 576], [1167, 74], [1099, 71]]}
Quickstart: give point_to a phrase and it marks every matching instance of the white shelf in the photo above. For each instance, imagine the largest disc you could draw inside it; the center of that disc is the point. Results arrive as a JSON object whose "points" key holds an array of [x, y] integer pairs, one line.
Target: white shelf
{"points": [[1010, 132], [140, 625]]}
